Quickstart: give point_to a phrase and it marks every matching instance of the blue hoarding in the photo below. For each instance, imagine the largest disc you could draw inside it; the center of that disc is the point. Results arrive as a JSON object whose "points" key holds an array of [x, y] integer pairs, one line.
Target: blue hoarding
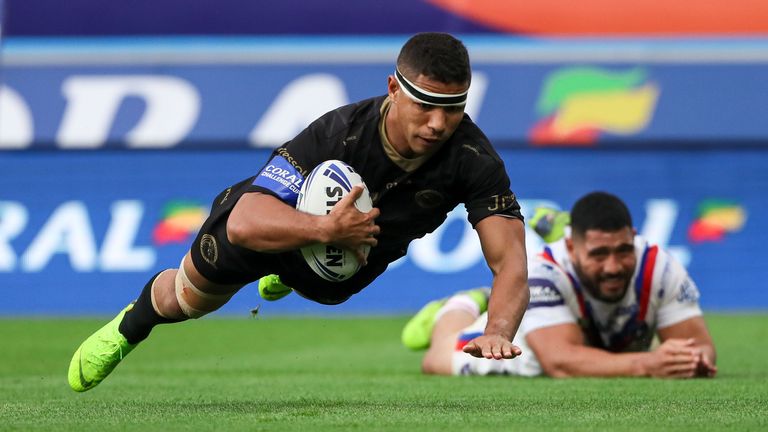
{"points": [[245, 93], [81, 232]]}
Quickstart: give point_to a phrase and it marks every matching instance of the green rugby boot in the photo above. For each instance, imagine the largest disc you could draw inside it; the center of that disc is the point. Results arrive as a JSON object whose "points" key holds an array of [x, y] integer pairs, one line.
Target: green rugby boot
{"points": [[99, 355], [550, 224], [271, 288], [417, 333]]}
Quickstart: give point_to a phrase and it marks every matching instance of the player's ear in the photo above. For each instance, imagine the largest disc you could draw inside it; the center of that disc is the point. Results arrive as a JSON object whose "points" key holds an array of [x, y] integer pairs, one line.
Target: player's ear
{"points": [[392, 87]]}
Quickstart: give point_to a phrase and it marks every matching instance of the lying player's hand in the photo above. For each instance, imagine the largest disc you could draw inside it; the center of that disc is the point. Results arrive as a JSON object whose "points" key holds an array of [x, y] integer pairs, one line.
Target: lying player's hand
{"points": [[675, 358], [705, 368], [492, 347], [350, 228]]}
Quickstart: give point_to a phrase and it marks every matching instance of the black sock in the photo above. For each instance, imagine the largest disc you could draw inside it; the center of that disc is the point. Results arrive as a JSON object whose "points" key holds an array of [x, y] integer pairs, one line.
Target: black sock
{"points": [[139, 321]]}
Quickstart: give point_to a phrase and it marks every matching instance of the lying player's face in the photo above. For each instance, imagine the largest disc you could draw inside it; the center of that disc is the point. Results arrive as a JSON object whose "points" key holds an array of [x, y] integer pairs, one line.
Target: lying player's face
{"points": [[604, 261], [421, 128]]}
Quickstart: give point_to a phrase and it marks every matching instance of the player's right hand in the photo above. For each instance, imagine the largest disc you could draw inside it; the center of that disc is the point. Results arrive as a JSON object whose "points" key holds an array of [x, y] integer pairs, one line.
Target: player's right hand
{"points": [[350, 228]]}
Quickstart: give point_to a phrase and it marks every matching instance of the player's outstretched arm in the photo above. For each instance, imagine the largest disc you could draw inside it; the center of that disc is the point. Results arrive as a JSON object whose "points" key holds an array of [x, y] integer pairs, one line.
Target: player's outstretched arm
{"points": [[262, 222], [562, 353], [503, 243]]}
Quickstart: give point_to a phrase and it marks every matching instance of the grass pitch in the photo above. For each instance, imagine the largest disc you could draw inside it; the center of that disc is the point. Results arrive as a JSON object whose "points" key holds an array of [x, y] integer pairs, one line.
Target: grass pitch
{"points": [[321, 374]]}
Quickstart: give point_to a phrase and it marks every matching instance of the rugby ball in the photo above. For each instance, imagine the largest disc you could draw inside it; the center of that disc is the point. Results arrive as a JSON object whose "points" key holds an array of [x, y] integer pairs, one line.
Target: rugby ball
{"points": [[326, 185]]}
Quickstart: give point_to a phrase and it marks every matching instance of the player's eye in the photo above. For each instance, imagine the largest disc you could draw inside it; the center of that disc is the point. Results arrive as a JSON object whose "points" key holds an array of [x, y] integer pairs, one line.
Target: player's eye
{"points": [[426, 107]]}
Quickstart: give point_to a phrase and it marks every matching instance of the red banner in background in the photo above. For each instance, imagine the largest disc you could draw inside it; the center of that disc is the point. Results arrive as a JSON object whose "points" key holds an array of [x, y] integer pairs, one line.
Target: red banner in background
{"points": [[615, 18]]}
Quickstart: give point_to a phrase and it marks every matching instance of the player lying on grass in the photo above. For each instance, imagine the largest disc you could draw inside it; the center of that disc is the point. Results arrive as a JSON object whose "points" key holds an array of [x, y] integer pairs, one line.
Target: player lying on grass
{"points": [[598, 297], [420, 156]]}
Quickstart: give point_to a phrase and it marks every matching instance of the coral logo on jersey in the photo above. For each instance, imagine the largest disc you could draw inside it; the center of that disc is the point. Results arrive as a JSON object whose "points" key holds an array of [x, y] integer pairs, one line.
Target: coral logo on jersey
{"points": [[283, 177], [181, 220], [716, 218], [578, 104]]}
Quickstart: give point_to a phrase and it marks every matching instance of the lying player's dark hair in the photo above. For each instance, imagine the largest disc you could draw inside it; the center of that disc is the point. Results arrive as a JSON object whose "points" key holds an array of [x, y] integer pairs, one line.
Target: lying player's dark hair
{"points": [[599, 211], [438, 56]]}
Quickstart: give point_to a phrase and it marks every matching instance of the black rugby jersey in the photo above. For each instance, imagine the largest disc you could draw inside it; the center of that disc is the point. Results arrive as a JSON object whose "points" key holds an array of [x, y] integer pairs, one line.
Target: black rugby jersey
{"points": [[466, 169]]}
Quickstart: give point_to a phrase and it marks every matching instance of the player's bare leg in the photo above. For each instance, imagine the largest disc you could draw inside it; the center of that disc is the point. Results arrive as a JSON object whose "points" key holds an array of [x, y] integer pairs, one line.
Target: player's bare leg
{"points": [[439, 356], [417, 333]]}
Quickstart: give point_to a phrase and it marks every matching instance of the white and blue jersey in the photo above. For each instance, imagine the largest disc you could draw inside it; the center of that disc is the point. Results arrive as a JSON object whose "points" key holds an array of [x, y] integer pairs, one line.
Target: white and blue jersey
{"points": [[660, 294]]}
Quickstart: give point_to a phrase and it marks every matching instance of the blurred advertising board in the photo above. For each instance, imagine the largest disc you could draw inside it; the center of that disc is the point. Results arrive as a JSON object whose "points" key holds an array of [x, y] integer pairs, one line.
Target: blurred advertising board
{"points": [[81, 232], [203, 93]]}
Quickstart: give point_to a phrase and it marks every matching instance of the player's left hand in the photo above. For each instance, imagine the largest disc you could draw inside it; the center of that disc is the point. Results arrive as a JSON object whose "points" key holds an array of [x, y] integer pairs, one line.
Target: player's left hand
{"points": [[492, 347]]}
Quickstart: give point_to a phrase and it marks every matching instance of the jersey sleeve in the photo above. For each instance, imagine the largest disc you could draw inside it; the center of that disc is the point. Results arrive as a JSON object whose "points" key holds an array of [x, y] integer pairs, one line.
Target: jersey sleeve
{"points": [[281, 179], [551, 298], [488, 190], [288, 166], [679, 298]]}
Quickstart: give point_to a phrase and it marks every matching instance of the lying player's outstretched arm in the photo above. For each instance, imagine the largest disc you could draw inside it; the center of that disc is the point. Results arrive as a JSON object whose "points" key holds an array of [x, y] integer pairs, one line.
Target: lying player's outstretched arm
{"points": [[262, 222], [562, 353], [503, 242]]}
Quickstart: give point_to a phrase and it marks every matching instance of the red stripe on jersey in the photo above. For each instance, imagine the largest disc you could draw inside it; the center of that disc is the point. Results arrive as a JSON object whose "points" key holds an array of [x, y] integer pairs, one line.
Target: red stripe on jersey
{"points": [[645, 293], [547, 255], [465, 338]]}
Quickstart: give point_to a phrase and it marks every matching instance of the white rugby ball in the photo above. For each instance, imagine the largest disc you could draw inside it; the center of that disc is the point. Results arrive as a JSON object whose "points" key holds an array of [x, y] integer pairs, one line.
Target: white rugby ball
{"points": [[326, 185]]}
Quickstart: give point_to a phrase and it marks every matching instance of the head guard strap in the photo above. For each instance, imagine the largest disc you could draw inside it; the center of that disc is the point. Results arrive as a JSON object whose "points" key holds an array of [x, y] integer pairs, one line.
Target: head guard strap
{"points": [[424, 96]]}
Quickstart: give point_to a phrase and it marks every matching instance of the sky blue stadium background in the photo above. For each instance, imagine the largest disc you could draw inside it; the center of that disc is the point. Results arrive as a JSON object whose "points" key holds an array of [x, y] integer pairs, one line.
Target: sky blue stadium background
{"points": [[78, 208]]}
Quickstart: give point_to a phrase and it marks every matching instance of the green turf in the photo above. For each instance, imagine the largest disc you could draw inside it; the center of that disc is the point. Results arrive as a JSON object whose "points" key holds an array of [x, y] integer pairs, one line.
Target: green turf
{"points": [[351, 374]]}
